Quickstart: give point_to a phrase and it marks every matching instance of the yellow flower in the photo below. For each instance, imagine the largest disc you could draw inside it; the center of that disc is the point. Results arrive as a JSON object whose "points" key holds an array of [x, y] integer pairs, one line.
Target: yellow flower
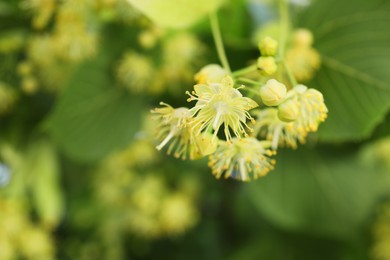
{"points": [[135, 72], [242, 158], [178, 214], [220, 104], [147, 196], [36, 243], [144, 225], [303, 62], [312, 107], [280, 133], [182, 49], [176, 128]]}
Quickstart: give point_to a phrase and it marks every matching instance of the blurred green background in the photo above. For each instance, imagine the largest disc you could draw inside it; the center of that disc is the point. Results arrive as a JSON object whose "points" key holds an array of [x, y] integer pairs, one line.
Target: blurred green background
{"points": [[80, 177]]}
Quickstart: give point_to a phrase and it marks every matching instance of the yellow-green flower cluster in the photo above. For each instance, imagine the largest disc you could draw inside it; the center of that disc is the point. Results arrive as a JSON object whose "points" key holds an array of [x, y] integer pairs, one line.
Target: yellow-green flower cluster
{"points": [[241, 159], [134, 72], [43, 11], [300, 111], [180, 56], [20, 237], [302, 59], [197, 130], [127, 183], [74, 37], [289, 116]]}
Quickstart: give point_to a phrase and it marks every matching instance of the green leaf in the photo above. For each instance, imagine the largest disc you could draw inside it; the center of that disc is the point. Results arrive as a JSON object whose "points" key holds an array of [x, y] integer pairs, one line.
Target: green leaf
{"points": [[326, 192], [176, 13], [354, 42], [93, 117], [383, 130]]}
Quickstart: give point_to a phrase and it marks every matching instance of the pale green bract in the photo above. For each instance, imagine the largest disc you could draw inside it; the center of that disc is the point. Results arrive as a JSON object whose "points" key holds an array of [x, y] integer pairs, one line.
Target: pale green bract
{"points": [[176, 13]]}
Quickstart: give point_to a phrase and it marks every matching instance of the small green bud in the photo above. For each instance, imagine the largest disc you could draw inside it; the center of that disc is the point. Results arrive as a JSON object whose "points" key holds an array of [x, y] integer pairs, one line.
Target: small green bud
{"points": [[268, 46], [288, 111], [212, 73], [267, 65], [273, 92]]}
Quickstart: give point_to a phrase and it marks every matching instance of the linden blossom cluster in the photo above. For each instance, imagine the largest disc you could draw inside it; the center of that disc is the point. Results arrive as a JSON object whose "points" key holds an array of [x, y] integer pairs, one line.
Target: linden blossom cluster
{"points": [[292, 114], [195, 132], [236, 152]]}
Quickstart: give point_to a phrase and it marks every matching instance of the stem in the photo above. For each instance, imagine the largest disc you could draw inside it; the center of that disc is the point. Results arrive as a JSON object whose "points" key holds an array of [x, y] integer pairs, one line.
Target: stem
{"points": [[284, 26], [245, 70], [290, 76], [284, 19], [275, 138], [218, 41], [249, 81]]}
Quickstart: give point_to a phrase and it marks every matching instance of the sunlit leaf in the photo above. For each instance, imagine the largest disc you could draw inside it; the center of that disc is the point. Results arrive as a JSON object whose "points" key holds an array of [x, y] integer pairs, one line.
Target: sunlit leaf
{"points": [[176, 13]]}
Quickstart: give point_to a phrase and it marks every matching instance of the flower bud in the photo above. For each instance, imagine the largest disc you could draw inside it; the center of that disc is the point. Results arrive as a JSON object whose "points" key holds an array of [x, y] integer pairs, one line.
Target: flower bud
{"points": [[267, 65], [300, 88], [302, 38], [268, 46], [211, 73], [288, 111], [273, 92]]}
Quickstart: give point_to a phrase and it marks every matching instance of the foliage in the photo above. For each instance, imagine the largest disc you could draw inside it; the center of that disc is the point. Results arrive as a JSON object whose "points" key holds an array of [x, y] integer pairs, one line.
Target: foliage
{"points": [[80, 175]]}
